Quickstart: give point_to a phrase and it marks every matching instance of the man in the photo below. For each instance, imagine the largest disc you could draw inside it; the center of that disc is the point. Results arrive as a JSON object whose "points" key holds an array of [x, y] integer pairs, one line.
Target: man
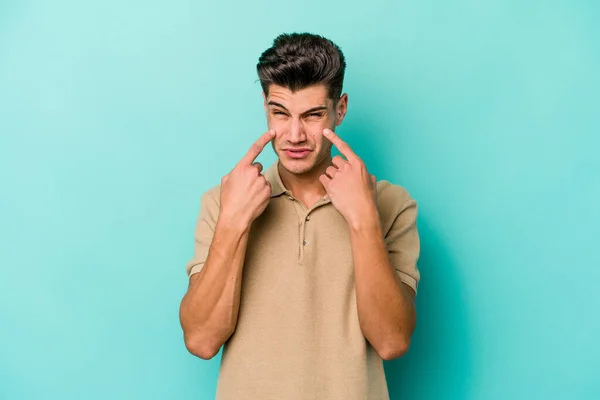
{"points": [[306, 271]]}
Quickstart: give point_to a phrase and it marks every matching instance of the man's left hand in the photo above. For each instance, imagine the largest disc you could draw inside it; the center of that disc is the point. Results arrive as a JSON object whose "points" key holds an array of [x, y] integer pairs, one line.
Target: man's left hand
{"points": [[352, 190]]}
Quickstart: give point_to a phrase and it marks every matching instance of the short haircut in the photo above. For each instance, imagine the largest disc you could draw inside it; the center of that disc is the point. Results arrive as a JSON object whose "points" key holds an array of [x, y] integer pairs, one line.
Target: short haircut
{"points": [[299, 60]]}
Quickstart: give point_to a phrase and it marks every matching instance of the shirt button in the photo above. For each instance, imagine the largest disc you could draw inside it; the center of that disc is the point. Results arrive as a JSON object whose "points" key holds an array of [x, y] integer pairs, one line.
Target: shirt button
{"points": [[308, 217], [305, 242], [290, 197]]}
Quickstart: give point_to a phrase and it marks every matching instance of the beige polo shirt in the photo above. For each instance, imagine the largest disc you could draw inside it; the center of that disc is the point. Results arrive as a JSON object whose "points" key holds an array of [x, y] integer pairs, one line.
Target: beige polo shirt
{"points": [[298, 335]]}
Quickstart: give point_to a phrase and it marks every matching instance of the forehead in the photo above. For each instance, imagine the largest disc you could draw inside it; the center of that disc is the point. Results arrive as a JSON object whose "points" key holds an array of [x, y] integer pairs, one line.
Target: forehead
{"points": [[300, 100]]}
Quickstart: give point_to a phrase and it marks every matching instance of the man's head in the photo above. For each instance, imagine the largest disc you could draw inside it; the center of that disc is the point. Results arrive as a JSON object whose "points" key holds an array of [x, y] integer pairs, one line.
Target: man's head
{"points": [[302, 77]]}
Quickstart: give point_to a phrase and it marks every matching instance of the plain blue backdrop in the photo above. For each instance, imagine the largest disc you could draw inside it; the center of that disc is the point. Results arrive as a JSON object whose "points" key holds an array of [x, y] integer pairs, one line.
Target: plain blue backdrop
{"points": [[116, 116]]}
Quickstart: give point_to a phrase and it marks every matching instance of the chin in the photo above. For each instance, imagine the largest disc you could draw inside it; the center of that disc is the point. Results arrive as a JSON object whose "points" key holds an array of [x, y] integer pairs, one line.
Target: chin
{"points": [[297, 167]]}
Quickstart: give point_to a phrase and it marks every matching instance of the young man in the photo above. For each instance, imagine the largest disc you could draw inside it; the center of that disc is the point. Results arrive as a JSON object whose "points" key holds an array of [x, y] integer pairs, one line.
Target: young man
{"points": [[306, 271]]}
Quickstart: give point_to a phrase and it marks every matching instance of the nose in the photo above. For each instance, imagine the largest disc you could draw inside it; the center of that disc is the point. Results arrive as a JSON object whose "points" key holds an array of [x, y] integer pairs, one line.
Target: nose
{"points": [[297, 133]]}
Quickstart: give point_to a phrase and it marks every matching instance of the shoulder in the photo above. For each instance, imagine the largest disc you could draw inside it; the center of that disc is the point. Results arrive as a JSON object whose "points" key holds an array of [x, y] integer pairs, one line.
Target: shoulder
{"points": [[211, 199], [213, 192], [392, 201], [391, 196]]}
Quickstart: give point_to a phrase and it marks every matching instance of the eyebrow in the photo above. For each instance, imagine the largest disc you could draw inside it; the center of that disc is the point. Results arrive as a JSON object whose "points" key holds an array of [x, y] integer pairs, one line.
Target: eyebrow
{"points": [[311, 110]]}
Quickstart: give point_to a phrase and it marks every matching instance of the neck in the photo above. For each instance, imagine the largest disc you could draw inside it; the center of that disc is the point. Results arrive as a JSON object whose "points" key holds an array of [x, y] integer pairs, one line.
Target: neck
{"points": [[306, 186]]}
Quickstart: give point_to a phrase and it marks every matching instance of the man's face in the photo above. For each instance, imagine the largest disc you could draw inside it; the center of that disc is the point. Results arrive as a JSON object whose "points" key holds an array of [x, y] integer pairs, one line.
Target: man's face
{"points": [[299, 119]]}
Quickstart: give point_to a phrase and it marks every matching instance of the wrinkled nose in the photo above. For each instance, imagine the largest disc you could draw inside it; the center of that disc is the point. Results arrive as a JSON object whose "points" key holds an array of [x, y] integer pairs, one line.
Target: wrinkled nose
{"points": [[296, 133]]}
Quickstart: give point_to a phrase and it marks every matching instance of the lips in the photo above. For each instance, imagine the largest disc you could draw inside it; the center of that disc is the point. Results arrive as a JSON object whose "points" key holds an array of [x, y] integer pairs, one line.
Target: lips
{"points": [[297, 153]]}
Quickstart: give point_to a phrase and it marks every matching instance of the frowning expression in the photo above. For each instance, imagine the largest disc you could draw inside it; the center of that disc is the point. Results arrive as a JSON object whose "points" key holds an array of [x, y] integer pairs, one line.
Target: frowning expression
{"points": [[299, 119]]}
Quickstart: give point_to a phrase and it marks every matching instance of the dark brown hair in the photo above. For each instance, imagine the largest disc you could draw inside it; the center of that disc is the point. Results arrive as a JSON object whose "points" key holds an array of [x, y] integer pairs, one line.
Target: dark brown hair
{"points": [[299, 60]]}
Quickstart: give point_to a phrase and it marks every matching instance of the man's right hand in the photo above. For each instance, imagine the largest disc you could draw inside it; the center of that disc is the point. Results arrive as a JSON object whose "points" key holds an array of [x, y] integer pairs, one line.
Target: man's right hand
{"points": [[245, 193]]}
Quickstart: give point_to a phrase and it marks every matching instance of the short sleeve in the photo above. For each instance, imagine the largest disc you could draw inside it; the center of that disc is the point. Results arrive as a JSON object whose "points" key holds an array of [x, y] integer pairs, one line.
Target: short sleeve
{"points": [[402, 237], [204, 230]]}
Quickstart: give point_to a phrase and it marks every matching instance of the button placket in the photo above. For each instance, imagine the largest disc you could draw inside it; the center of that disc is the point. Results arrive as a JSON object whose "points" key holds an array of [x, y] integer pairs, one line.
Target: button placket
{"points": [[301, 239], [304, 217], [301, 213], [306, 237], [306, 241]]}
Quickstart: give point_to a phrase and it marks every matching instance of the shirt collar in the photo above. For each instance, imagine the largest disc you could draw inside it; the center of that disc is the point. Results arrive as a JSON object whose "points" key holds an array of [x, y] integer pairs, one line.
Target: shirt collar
{"points": [[277, 186], [273, 177]]}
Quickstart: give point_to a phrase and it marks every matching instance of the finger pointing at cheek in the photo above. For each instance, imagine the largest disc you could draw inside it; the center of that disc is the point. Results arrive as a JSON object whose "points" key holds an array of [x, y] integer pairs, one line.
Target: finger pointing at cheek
{"points": [[340, 144]]}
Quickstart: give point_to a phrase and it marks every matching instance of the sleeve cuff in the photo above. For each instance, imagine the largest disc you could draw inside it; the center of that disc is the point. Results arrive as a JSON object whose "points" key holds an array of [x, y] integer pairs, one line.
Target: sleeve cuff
{"points": [[195, 269], [407, 279]]}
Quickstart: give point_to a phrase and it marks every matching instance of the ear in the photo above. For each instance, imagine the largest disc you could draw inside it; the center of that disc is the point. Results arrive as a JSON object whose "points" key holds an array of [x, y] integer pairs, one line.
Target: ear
{"points": [[341, 108]]}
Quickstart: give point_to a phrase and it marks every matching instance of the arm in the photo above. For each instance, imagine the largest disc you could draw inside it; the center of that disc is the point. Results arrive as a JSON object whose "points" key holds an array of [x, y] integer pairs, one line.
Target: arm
{"points": [[386, 308], [385, 305], [209, 309]]}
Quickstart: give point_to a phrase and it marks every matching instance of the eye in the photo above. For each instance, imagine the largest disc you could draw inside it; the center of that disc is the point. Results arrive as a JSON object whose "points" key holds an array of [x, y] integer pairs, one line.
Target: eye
{"points": [[278, 113], [314, 115]]}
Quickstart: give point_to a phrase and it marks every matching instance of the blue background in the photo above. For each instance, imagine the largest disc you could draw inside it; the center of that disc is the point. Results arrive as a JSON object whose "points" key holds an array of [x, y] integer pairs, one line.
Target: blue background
{"points": [[116, 116]]}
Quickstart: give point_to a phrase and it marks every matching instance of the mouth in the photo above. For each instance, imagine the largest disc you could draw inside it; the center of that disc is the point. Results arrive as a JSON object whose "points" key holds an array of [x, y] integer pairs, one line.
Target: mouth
{"points": [[297, 153]]}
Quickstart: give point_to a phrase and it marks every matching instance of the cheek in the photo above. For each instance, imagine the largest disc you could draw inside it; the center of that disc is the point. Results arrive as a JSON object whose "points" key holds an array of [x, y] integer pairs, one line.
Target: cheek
{"points": [[319, 140], [279, 126]]}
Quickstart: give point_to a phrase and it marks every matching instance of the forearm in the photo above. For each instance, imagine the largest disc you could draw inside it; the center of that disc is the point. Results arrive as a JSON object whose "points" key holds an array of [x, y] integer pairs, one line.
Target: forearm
{"points": [[385, 305], [209, 310]]}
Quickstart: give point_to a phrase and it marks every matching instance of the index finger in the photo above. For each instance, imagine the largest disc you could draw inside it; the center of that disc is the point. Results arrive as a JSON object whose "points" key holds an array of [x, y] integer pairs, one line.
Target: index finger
{"points": [[257, 147], [340, 144]]}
